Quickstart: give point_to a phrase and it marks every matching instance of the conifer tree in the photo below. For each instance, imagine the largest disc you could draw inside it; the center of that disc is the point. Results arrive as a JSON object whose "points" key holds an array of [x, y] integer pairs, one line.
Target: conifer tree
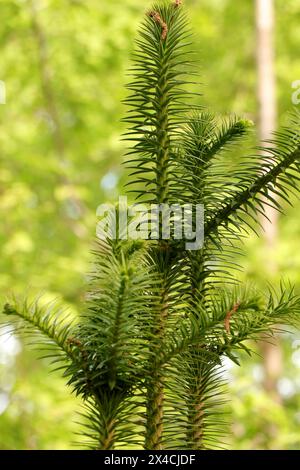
{"points": [[147, 350]]}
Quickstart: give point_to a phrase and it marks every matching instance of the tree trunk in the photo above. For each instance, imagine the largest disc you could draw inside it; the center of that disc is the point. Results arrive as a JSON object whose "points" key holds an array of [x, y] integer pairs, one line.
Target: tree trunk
{"points": [[272, 355]]}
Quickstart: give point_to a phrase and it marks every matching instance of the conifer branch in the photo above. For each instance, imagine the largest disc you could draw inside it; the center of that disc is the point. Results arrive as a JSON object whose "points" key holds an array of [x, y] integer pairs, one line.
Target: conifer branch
{"points": [[272, 180], [50, 320]]}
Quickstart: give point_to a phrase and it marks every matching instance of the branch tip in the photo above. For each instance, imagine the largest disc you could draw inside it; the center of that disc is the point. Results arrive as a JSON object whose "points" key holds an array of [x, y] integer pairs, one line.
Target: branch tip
{"points": [[158, 19]]}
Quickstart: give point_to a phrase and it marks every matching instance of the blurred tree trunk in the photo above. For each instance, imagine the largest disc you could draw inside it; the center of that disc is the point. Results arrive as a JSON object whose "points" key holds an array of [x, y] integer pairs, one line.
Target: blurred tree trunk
{"points": [[272, 354]]}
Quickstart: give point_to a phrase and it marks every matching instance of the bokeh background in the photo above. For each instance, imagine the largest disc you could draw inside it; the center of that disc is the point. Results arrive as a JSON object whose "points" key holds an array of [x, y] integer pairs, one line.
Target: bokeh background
{"points": [[64, 65]]}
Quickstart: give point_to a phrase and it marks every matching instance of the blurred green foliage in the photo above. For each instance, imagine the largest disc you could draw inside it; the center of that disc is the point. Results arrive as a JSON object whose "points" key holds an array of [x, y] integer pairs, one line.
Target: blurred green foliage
{"points": [[64, 64]]}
